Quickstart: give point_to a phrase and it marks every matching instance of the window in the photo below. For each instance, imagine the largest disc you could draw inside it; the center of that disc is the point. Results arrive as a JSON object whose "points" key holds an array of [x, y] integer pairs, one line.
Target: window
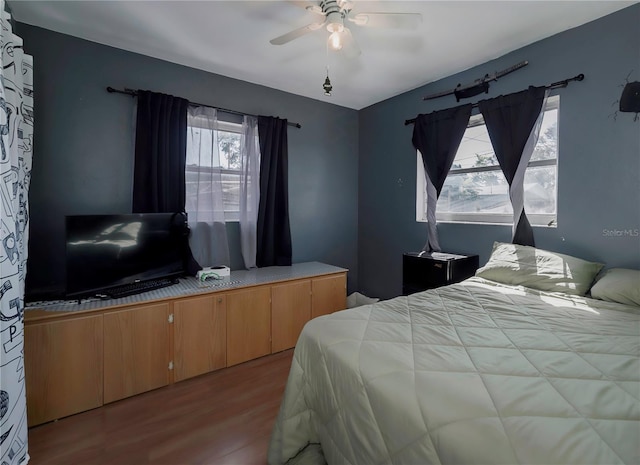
{"points": [[204, 160], [476, 190]]}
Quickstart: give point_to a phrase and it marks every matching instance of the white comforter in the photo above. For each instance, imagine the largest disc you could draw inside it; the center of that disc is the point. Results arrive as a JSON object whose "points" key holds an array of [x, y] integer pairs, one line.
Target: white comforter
{"points": [[470, 373]]}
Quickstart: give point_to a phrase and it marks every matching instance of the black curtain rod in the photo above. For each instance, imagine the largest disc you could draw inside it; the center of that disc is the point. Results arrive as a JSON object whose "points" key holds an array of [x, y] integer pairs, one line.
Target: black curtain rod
{"points": [[134, 93], [555, 85]]}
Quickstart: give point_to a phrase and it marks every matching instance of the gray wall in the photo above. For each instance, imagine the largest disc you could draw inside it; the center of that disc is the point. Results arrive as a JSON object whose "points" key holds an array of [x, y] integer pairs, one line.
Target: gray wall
{"points": [[83, 145], [599, 156], [352, 174]]}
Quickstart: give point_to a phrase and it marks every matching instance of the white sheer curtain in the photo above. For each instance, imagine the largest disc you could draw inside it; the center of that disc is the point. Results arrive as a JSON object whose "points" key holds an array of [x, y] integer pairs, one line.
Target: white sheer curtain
{"points": [[204, 202], [16, 154], [249, 189]]}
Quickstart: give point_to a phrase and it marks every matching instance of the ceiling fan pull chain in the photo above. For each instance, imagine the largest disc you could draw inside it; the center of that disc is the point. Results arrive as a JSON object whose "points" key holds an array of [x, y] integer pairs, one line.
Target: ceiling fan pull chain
{"points": [[327, 87]]}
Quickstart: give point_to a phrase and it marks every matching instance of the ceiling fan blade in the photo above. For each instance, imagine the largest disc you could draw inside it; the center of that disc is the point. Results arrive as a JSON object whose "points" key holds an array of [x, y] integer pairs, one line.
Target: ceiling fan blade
{"points": [[314, 9], [307, 5], [289, 36], [349, 45], [391, 20]]}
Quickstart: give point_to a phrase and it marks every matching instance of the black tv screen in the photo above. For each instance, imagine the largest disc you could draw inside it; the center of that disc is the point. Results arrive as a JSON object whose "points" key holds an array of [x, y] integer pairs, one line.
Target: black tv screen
{"points": [[107, 251]]}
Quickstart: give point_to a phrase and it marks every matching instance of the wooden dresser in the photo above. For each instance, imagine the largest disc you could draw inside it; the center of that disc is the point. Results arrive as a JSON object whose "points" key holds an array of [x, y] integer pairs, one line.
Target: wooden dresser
{"points": [[80, 356]]}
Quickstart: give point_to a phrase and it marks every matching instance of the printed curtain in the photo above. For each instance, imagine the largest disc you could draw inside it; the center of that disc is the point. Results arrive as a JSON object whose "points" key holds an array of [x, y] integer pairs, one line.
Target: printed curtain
{"points": [[16, 153]]}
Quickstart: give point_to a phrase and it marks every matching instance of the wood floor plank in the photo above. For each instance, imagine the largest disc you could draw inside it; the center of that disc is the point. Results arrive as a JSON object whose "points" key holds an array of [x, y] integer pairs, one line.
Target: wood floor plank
{"points": [[248, 455], [224, 417]]}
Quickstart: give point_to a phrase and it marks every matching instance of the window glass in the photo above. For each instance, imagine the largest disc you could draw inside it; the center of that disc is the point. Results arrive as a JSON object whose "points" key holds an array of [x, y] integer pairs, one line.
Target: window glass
{"points": [[202, 160]]}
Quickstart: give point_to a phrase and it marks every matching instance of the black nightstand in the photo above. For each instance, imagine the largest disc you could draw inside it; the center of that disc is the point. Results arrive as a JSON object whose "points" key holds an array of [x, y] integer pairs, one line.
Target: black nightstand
{"points": [[427, 271]]}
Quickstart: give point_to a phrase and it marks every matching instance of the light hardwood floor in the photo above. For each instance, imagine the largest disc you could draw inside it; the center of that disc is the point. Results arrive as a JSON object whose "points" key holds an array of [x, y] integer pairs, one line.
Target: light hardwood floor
{"points": [[222, 418]]}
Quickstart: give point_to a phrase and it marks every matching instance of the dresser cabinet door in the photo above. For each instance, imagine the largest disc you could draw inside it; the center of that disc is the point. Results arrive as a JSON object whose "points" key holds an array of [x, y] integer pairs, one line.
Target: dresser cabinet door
{"points": [[200, 335], [248, 324], [328, 294], [63, 364], [290, 310], [136, 351]]}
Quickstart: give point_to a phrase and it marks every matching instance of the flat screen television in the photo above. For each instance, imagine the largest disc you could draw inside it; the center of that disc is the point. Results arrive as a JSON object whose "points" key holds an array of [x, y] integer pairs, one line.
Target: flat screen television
{"points": [[104, 252]]}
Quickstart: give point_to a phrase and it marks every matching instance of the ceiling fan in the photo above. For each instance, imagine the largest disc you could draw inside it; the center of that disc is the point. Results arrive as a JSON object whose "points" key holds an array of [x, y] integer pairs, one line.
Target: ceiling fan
{"points": [[338, 12]]}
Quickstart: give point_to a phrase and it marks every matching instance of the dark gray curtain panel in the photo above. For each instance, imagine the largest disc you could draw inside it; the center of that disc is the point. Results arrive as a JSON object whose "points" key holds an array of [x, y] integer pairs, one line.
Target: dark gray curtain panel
{"points": [[437, 136], [273, 231], [160, 153], [160, 157], [510, 120]]}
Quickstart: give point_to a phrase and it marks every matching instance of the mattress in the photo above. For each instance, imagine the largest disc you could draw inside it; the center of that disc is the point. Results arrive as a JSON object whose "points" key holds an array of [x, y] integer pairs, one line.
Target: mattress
{"points": [[475, 372]]}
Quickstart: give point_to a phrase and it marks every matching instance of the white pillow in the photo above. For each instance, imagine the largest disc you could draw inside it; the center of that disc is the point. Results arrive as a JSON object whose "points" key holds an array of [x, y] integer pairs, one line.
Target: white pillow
{"points": [[620, 285], [521, 265]]}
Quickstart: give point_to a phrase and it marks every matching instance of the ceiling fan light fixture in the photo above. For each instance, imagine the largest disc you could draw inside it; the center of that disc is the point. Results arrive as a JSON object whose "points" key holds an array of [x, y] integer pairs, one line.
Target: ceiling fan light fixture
{"points": [[335, 22], [335, 27], [335, 13], [335, 41]]}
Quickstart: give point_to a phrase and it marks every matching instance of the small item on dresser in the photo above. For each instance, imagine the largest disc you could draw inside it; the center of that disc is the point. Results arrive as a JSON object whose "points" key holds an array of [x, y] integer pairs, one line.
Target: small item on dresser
{"points": [[214, 272], [222, 271]]}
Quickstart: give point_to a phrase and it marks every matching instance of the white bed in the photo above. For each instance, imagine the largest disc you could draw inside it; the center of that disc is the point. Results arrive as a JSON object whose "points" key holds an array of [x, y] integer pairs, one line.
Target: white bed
{"points": [[476, 372]]}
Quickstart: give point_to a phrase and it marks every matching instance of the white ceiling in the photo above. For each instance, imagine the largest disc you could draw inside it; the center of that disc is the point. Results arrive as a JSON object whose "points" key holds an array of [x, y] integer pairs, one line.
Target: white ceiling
{"points": [[231, 38]]}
